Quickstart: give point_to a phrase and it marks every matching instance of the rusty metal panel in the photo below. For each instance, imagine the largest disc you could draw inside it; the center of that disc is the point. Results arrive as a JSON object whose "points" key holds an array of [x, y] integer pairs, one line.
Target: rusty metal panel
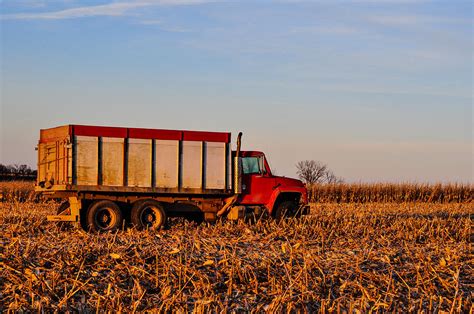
{"points": [[50, 160], [215, 165], [191, 168], [87, 160], [64, 162], [61, 163], [54, 160], [139, 162], [112, 161], [42, 162], [54, 134], [69, 164], [166, 163]]}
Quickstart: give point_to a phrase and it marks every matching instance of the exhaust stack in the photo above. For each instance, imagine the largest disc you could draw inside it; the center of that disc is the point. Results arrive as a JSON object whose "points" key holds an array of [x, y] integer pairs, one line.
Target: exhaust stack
{"points": [[237, 180], [238, 167]]}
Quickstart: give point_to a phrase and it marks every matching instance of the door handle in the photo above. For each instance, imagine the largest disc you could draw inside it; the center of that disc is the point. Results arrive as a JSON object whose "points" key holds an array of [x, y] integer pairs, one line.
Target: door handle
{"points": [[276, 186]]}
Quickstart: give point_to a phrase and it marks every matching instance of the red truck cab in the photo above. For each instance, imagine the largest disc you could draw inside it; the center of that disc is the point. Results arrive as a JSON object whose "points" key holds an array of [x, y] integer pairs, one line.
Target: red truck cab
{"points": [[278, 195]]}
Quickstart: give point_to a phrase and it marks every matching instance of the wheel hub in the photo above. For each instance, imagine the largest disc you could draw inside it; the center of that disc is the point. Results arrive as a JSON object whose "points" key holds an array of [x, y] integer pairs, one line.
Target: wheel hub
{"points": [[149, 218], [104, 218]]}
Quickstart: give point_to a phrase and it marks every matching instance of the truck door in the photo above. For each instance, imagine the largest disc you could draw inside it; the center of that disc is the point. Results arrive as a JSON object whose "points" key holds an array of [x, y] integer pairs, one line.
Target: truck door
{"points": [[257, 183]]}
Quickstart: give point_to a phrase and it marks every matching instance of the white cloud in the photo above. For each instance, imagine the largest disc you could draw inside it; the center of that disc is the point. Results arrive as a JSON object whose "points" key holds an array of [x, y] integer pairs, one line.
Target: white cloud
{"points": [[151, 22], [377, 2], [110, 9], [409, 20], [27, 3]]}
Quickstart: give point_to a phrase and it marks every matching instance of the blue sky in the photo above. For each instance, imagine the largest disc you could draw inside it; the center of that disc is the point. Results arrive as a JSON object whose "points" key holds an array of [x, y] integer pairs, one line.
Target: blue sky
{"points": [[378, 90]]}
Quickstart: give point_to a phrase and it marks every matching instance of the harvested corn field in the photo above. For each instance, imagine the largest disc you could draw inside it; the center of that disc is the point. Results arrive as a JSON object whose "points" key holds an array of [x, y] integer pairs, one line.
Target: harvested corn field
{"points": [[17, 191], [374, 256]]}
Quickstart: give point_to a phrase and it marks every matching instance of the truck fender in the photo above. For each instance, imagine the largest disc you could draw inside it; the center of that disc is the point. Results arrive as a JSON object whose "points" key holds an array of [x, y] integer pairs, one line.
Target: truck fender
{"points": [[276, 193]]}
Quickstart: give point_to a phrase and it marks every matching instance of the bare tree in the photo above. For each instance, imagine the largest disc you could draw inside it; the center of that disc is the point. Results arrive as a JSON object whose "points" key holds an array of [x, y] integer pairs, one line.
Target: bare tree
{"points": [[4, 170], [311, 171], [331, 178]]}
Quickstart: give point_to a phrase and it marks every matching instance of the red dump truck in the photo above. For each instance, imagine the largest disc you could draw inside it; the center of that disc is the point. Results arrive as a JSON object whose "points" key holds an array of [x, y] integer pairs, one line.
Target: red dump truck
{"points": [[108, 177]]}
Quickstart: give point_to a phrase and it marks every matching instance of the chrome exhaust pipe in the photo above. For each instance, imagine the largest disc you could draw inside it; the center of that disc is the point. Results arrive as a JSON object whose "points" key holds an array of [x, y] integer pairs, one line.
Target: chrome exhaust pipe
{"points": [[238, 167], [237, 180]]}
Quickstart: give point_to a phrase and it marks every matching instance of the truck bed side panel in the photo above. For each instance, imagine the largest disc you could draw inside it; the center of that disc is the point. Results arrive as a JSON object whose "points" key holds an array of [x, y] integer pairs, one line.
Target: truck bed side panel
{"points": [[191, 168], [86, 160], [166, 163], [215, 165], [139, 162], [112, 161]]}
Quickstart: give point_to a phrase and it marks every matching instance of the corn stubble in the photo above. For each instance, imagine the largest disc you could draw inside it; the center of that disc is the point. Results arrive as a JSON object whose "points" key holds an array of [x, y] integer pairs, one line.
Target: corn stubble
{"points": [[342, 257], [17, 191]]}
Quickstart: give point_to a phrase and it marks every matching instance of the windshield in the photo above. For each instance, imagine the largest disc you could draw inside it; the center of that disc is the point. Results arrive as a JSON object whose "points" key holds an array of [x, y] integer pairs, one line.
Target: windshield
{"points": [[251, 165]]}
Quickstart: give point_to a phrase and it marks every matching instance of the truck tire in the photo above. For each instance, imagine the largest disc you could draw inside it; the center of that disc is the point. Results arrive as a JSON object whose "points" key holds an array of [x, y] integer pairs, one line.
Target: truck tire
{"points": [[286, 209], [104, 216], [148, 214]]}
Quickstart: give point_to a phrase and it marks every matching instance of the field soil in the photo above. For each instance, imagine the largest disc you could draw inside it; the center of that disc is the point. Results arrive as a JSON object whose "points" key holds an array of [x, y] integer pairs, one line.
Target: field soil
{"points": [[373, 256]]}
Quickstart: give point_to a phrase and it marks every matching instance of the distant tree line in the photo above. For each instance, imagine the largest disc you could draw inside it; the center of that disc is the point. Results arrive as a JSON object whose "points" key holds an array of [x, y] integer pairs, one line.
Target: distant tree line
{"points": [[17, 172]]}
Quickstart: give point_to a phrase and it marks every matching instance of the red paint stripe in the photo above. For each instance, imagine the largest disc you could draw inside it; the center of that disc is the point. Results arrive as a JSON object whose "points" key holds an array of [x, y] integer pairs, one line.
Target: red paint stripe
{"points": [[155, 134], [119, 132], [206, 136], [104, 131]]}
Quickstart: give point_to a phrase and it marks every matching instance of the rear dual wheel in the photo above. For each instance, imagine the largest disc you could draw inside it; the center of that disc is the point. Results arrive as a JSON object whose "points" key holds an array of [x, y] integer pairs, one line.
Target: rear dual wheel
{"points": [[103, 216], [148, 214]]}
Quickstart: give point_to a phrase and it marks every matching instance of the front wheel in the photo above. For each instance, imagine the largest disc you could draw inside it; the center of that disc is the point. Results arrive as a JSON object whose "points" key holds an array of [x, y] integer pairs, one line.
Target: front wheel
{"points": [[148, 214], [286, 209], [104, 216]]}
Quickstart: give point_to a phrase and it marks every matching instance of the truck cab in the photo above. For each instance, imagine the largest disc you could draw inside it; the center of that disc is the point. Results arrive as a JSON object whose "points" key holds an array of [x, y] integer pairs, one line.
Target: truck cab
{"points": [[280, 196]]}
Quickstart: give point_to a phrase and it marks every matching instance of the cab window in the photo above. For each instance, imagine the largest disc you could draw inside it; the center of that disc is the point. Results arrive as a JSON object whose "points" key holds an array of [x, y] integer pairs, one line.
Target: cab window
{"points": [[251, 165]]}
